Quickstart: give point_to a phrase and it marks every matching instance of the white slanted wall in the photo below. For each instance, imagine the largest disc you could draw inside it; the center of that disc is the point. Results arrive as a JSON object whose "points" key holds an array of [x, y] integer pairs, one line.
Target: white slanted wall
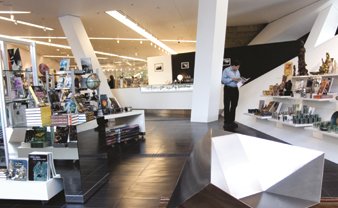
{"points": [[251, 94]]}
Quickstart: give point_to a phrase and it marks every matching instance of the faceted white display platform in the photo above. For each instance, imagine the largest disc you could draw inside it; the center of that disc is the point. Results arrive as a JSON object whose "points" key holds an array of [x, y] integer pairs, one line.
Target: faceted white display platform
{"points": [[235, 170]]}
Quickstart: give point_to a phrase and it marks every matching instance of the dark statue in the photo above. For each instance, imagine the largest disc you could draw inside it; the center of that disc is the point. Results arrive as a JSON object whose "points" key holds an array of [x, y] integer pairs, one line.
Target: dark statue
{"points": [[288, 86], [301, 60]]}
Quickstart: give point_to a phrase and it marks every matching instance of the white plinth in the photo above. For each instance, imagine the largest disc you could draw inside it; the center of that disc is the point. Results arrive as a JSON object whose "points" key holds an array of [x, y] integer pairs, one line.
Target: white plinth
{"points": [[130, 118], [30, 190], [60, 153]]}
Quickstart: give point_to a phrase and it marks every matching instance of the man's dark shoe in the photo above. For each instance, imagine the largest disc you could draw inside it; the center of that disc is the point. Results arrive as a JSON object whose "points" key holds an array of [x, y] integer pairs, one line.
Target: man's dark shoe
{"points": [[234, 125], [227, 127]]}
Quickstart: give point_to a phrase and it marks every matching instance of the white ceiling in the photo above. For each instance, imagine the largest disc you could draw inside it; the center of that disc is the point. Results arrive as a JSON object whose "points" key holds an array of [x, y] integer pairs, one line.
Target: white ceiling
{"points": [[174, 20]]}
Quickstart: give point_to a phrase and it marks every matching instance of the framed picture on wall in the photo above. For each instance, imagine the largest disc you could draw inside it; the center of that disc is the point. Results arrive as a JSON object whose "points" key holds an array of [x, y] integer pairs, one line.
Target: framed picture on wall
{"points": [[158, 67], [226, 61], [184, 65]]}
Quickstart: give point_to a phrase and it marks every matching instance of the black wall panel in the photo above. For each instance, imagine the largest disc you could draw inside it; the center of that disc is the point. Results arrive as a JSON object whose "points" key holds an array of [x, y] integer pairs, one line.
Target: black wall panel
{"points": [[176, 61], [255, 60]]}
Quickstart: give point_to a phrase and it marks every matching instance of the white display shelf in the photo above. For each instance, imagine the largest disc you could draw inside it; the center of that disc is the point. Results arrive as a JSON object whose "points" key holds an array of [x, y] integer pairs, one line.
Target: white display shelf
{"points": [[59, 153], [311, 99], [130, 118], [259, 117], [316, 130], [30, 190], [289, 124], [300, 98], [270, 96], [312, 75]]}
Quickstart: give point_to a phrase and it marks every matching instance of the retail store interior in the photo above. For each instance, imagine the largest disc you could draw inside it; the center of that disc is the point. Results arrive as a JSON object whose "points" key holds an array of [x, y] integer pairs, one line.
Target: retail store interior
{"points": [[128, 144]]}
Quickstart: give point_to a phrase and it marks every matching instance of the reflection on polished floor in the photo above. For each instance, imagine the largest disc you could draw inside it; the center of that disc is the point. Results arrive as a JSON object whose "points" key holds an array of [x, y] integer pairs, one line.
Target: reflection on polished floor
{"points": [[144, 171]]}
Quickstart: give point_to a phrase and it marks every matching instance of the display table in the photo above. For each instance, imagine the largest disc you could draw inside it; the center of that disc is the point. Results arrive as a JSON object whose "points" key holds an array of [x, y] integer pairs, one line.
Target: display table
{"points": [[30, 190], [130, 118]]}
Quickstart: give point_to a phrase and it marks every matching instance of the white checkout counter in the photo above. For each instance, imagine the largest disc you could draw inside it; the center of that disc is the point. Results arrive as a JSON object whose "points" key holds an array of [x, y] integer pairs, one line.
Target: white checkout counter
{"points": [[161, 97]]}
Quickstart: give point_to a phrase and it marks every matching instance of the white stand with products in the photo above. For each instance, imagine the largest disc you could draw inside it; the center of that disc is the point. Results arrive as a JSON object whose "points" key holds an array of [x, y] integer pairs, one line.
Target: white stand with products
{"points": [[30, 190], [132, 117]]}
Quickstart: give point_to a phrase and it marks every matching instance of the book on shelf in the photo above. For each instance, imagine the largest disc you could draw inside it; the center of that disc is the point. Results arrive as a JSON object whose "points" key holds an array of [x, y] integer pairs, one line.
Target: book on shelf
{"points": [[279, 107], [61, 134], [114, 103], [270, 105], [104, 101], [299, 85], [17, 169], [15, 59], [61, 82], [86, 116], [322, 87], [68, 81], [64, 64], [64, 119], [72, 133], [70, 106], [274, 107], [288, 68], [54, 100], [38, 116], [83, 83], [41, 166], [261, 104], [80, 103], [329, 84], [86, 64], [39, 95], [18, 87]]}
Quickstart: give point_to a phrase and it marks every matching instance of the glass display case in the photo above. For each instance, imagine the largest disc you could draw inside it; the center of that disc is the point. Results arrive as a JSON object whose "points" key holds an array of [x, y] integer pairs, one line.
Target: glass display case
{"points": [[167, 88]]}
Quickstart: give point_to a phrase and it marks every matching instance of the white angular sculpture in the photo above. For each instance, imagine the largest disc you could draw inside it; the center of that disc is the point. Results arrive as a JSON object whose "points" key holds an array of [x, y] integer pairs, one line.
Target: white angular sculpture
{"points": [[257, 172]]}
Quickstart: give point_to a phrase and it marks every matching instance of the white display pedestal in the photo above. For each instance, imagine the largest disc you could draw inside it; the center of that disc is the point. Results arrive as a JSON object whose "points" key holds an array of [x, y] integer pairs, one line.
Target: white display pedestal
{"points": [[130, 118], [60, 153], [30, 190]]}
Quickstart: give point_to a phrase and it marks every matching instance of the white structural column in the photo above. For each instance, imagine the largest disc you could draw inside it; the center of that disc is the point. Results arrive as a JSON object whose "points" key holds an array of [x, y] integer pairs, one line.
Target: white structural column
{"points": [[211, 26], [81, 47], [324, 27]]}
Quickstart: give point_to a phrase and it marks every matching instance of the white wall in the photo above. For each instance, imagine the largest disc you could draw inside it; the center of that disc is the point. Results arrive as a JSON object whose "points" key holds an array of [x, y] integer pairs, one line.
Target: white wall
{"points": [[251, 93], [292, 26], [157, 77]]}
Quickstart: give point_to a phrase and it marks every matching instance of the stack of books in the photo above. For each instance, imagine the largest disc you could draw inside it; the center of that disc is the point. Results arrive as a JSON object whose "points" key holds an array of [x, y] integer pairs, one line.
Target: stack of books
{"points": [[41, 166], [38, 116], [87, 116], [122, 133], [64, 119]]}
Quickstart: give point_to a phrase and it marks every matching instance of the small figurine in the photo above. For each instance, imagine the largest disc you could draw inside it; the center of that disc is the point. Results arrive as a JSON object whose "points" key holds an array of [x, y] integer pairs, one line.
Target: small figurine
{"points": [[275, 89], [301, 60]]}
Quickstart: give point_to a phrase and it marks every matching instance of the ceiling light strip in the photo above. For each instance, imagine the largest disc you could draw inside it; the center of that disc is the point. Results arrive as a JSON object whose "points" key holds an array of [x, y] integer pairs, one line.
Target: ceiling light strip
{"points": [[102, 38], [25, 23], [123, 19], [15, 12], [67, 47]]}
